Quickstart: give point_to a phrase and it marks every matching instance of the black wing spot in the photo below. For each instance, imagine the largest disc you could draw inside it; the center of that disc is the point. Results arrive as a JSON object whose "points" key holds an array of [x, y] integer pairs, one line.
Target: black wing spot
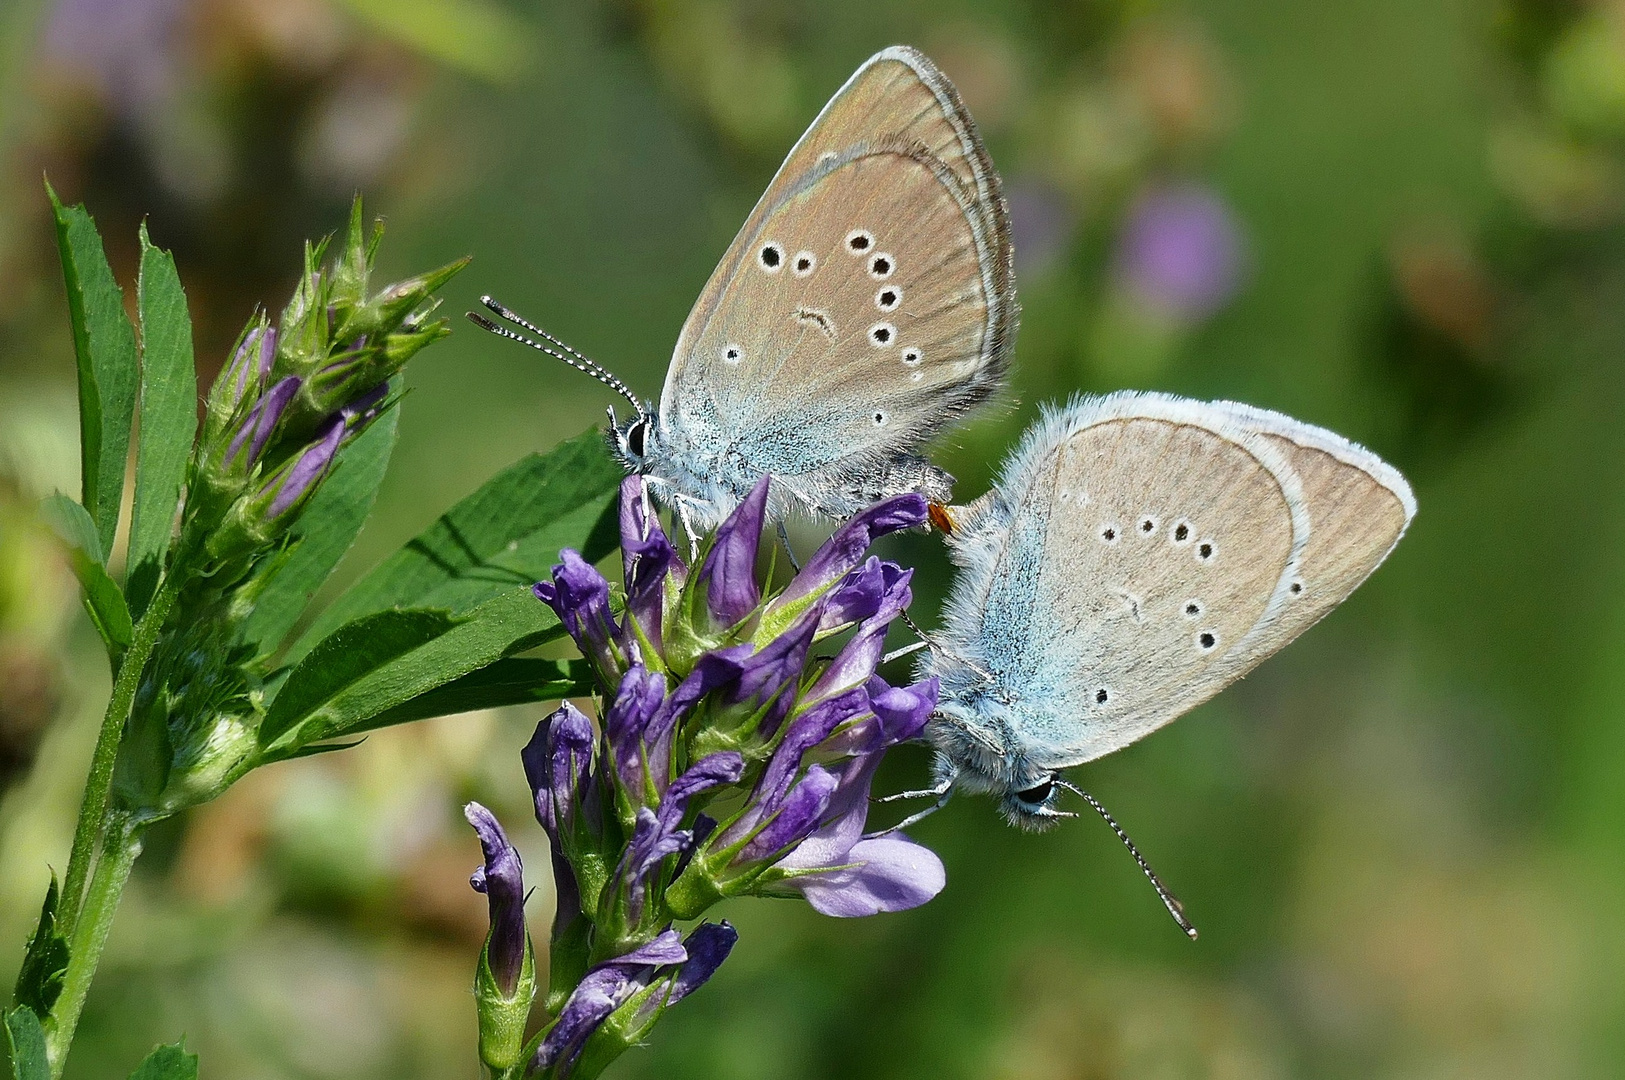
{"points": [[771, 257], [1207, 639], [859, 241], [1204, 551], [881, 266], [1101, 696]]}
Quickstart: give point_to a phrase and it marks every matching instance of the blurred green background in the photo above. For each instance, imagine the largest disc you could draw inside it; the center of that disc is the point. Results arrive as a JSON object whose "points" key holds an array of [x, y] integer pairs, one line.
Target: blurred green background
{"points": [[1405, 220]]}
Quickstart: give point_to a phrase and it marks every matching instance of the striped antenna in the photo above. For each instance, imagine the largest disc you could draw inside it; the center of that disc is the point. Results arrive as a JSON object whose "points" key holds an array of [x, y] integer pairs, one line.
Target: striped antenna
{"points": [[567, 355], [1169, 900]]}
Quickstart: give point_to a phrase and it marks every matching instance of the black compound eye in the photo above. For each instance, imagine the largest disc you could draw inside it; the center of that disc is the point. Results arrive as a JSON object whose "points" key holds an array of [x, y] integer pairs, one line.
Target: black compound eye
{"points": [[636, 437], [1037, 796]]}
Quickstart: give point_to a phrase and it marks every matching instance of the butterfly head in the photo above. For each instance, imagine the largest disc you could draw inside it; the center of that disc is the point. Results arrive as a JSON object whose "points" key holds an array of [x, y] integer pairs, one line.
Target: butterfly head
{"points": [[633, 439]]}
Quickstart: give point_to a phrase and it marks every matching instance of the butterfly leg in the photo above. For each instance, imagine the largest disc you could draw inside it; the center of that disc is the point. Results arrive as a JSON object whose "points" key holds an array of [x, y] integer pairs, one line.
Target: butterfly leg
{"points": [[784, 538]]}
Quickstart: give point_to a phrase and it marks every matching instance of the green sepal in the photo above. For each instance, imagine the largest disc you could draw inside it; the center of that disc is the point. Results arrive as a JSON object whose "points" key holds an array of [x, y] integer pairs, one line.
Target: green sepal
{"points": [[45, 960], [502, 1018]]}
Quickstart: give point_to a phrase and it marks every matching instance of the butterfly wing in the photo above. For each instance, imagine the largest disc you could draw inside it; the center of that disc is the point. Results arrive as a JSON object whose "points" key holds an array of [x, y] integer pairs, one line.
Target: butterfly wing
{"points": [[1358, 505], [1134, 544], [867, 300]]}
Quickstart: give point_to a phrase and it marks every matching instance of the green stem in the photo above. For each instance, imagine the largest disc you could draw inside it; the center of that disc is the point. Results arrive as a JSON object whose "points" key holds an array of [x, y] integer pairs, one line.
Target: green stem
{"points": [[99, 783], [121, 846]]}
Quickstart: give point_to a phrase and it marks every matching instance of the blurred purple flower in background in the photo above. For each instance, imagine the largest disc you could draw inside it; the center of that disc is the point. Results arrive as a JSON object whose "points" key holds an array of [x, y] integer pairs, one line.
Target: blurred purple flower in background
{"points": [[130, 50], [1180, 252]]}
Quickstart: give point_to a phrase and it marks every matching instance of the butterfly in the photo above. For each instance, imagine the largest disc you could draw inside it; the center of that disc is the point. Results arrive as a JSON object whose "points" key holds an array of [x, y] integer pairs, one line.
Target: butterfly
{"points": [[1139, 553], [868, 301]]}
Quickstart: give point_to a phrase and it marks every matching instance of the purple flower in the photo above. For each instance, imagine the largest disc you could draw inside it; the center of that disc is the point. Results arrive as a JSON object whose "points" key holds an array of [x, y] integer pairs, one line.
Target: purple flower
{"points": [[844, 874], [579, 595], [865, 592], [261, 421], [502, 881], [647, 556], [1180, 252], [558, 765], [768, 678], [601, 991], [670, 969], [728, 573], [844, 550], [655, 836]]}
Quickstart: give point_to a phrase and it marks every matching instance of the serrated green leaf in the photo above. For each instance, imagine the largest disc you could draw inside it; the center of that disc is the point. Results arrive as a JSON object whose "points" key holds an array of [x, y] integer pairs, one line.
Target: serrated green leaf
{"points": [[104, 343], [45, 960], [25, 1044], [103, 599], [507, 533], [167, 1062], [168, 418], [323, 533], [501, 627], [346, 656], [514, 681]]}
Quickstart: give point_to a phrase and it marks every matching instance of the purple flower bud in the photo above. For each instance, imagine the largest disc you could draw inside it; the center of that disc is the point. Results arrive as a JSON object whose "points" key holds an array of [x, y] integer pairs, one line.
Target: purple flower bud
{"points": [[558, 765], [656, 835], [798, 815], [707, 945], [626, 724], [728, 573], [864, 592], [843, 551], [502, 881], [899, 714], [647, 555], [601, 991], [770, 675], [724, 767], [579, 595], [713, 671], [1180, 251], [261, 421], [298, 481]]}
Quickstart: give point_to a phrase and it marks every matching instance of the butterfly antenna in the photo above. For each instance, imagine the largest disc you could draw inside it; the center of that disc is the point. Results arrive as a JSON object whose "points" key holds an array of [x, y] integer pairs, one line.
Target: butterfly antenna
{"points": [[567, 355], [1169, 900]]}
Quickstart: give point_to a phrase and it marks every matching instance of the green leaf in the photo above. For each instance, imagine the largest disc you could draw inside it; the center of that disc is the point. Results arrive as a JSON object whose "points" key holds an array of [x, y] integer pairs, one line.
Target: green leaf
{"points": [[168, 418], [167, 1062], [508, 624], [45, 960], [25, 1044], [346, 656], [507, 533], [323, 533], [103, 599], [514, 681], [104, 343]]}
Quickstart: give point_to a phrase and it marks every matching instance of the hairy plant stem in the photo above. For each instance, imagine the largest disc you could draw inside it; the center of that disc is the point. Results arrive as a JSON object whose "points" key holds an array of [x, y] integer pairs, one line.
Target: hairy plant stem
{"points": [[98, 785], [121, 844]]}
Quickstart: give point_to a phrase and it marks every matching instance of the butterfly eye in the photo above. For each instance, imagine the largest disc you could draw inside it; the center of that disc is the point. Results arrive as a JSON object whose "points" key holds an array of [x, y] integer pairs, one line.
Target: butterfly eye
{"points": [[637, 437], [1037, 796]]}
